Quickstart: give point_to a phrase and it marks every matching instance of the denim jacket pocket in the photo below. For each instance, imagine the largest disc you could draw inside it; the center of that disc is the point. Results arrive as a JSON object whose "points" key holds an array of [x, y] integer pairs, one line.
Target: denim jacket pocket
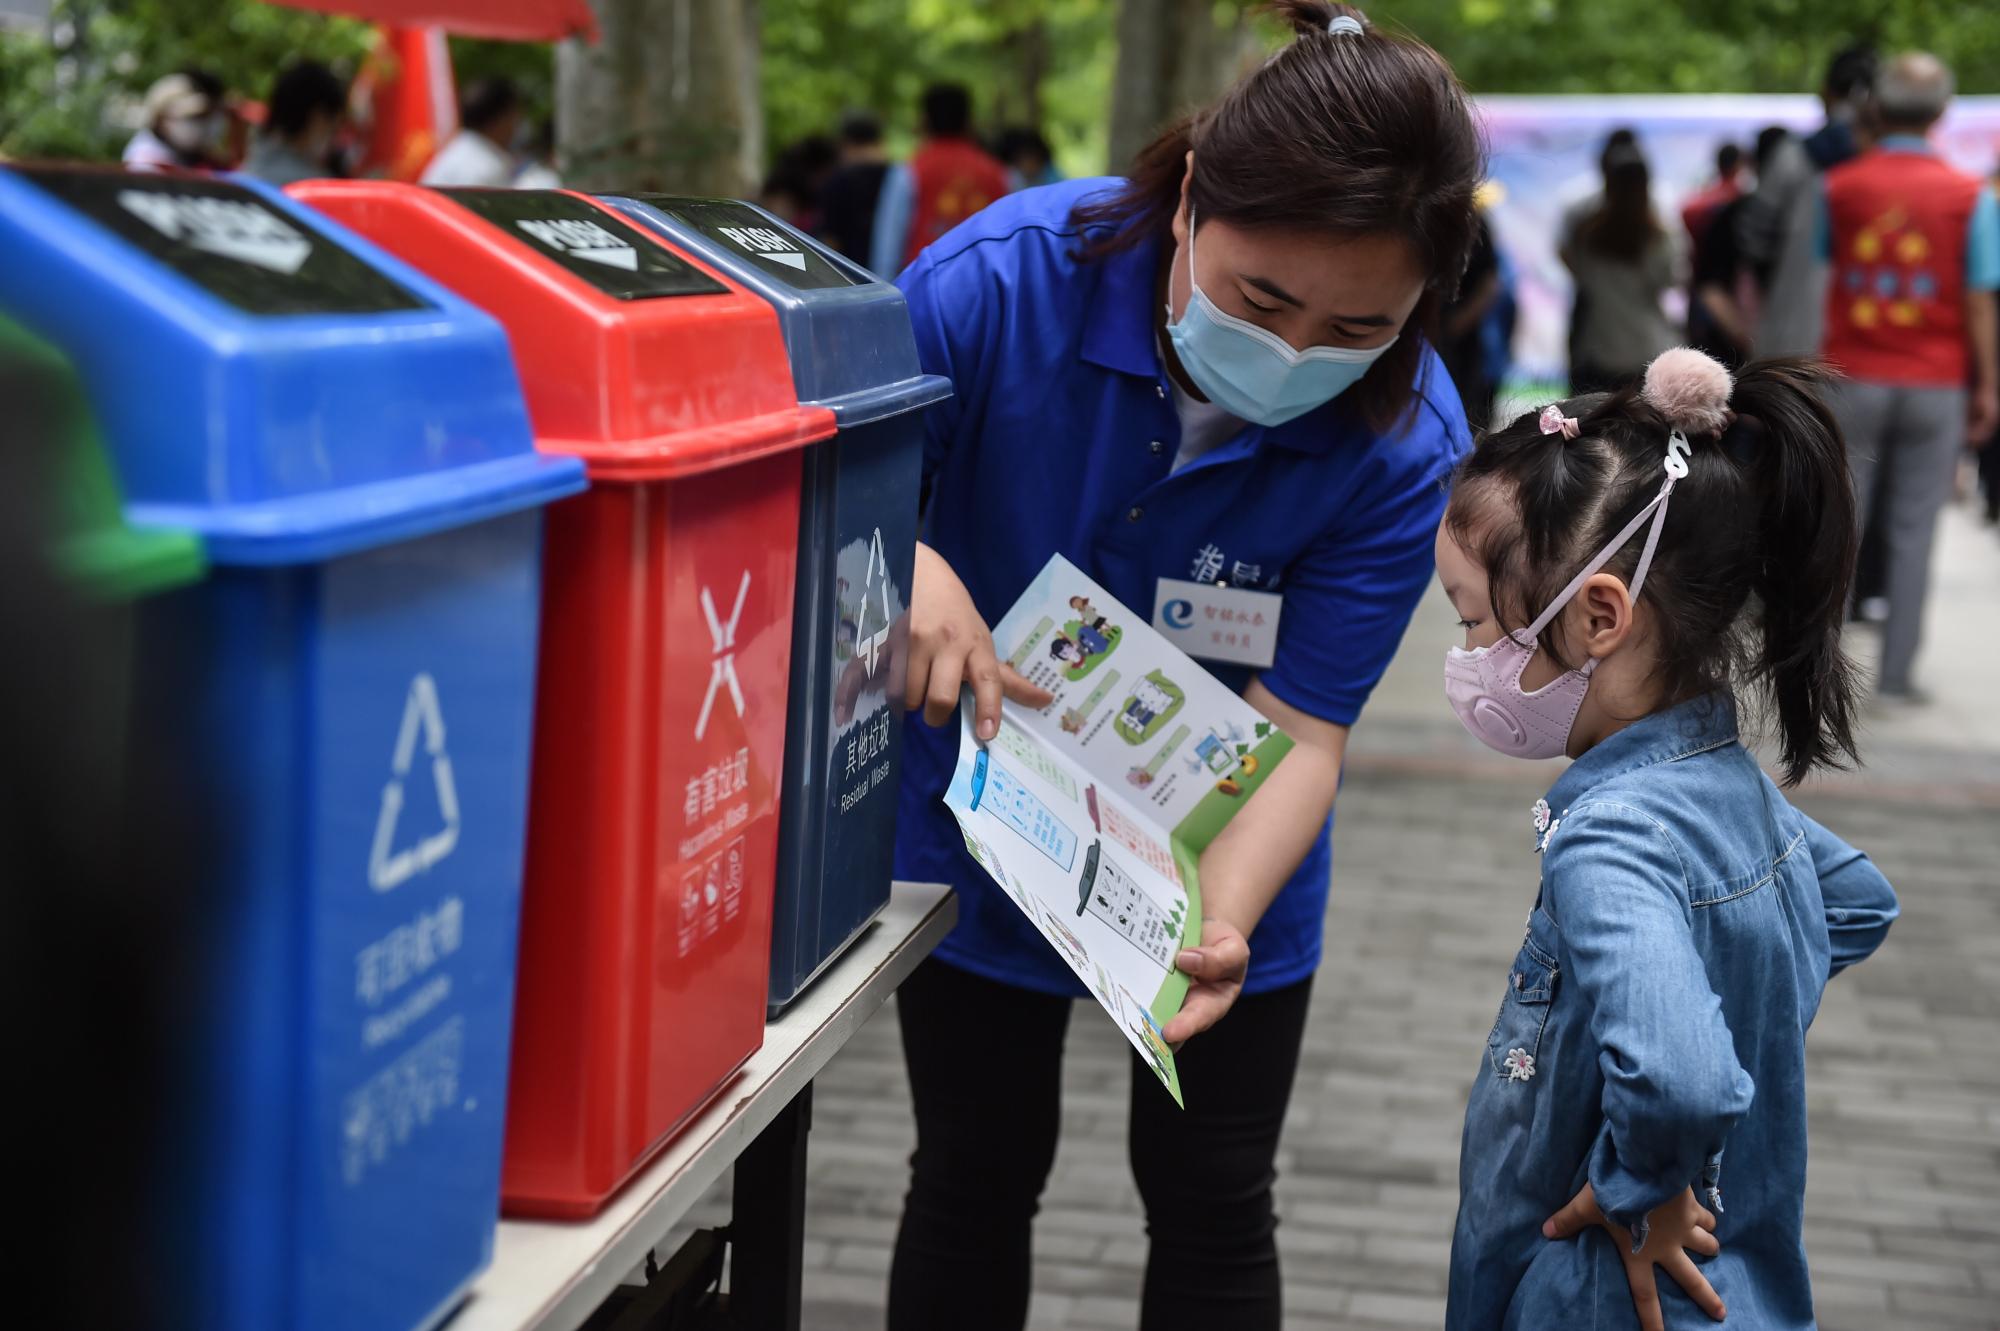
{"points": [[1516, 1041]]}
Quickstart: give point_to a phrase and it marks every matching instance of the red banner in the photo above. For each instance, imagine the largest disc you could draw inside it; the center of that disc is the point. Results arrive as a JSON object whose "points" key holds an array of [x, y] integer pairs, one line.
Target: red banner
{"points": [[404, 102], [513, 20]]}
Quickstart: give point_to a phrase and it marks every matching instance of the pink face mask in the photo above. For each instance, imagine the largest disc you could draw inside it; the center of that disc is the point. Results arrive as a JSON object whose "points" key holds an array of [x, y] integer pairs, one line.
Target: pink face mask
{"points": [[1483, 686]]}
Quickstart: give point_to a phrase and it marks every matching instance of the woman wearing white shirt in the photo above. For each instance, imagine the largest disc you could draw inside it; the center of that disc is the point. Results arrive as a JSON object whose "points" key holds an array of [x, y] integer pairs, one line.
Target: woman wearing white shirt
{"points": [[478, 155]]}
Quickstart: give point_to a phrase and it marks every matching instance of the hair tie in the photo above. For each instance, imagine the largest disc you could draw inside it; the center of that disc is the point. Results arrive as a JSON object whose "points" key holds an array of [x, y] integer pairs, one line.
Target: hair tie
{"points": [[1690, 389], [1345, 23], [1554, 422]]}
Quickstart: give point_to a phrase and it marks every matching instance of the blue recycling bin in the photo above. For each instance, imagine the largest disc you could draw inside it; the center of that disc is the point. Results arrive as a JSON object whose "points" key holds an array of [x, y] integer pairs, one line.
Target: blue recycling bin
{"points": [[851, 350], [355, 674]]}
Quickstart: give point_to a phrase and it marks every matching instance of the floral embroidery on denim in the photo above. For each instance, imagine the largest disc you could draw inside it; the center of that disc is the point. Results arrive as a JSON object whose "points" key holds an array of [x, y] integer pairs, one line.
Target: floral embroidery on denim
{"points": [[1541, 815], [1520, 1064]]}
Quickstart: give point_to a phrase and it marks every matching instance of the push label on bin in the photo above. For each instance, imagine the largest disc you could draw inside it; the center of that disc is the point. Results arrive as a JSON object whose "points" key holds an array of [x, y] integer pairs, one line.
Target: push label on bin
{"points": [[749, 233], [589, 242], [232, 243]]}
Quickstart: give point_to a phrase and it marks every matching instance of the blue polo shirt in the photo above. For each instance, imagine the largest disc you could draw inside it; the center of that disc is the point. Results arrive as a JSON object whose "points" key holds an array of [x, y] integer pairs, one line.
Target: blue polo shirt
{"points": [[1060, 437]]}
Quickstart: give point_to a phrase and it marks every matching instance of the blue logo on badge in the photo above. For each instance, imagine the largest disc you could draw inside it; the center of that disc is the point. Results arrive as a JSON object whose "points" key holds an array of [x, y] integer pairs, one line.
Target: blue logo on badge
{"points": [[1178, 614]]}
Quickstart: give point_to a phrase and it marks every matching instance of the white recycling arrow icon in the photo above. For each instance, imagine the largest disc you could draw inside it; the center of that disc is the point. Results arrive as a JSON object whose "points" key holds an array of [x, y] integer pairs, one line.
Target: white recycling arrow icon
{"points": [[869, 646], [389, 868]]}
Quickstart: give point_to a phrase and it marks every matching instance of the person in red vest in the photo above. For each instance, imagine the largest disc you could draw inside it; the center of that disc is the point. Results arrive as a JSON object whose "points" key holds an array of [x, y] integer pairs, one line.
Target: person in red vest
{"points": [[948, 179], [1701, 208], [1914, 249]]}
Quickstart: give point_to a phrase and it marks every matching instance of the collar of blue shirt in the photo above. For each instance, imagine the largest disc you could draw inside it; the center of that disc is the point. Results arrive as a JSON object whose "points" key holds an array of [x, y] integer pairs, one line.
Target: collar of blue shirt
{"points": [[1680, 731], [1120, 334], [1906, 143]]}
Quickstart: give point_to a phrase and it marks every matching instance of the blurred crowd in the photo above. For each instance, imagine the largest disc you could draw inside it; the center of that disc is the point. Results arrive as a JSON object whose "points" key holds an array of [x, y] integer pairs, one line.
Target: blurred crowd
{"points": [[1798, 245], [304, 130], [1855, 243], [844, 189]]}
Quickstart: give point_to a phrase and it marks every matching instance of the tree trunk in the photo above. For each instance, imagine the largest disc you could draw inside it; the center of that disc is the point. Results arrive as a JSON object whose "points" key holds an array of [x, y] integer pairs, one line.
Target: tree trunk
{"points": [[1034, 64], [665, 101], [1173, 57], [750, 86]]}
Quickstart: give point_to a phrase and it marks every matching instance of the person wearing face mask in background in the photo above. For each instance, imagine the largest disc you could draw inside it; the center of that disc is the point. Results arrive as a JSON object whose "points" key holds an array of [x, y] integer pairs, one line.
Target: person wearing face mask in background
{"points": [[296, 142], [185, 126], [1211, 370]]}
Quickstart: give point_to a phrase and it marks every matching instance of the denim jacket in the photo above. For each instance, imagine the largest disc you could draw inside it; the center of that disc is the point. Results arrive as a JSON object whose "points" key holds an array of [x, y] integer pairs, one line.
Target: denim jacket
{"points": [[1688, 921]]}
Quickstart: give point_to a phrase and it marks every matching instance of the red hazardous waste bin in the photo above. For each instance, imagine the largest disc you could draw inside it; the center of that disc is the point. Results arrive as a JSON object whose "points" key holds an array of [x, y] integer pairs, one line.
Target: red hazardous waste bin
{"points": [[666, 630]]}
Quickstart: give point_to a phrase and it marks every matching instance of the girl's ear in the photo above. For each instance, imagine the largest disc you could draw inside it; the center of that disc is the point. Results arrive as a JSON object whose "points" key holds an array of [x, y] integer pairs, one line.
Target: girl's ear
{"points": [[1603, 610]]}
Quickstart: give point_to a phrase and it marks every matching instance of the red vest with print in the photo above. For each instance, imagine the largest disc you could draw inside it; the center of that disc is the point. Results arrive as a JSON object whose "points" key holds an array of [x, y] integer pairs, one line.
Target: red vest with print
{"points": [[1895, 302], [953, 179]]}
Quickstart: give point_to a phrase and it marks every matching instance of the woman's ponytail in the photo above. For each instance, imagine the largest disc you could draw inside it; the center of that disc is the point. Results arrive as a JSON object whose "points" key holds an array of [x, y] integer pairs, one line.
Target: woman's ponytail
{"points": [[1785, 435]]}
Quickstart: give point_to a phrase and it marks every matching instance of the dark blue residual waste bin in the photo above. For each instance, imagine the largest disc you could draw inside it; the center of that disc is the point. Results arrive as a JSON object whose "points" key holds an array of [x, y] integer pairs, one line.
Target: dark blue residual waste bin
{"points": [[356, 675], [852, 350]]}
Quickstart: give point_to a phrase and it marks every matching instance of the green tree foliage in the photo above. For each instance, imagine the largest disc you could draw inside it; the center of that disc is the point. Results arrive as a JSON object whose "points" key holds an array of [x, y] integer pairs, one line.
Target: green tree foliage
{"points": [[69, 90], [72, 90], [1688, 46], [1045, 62]]}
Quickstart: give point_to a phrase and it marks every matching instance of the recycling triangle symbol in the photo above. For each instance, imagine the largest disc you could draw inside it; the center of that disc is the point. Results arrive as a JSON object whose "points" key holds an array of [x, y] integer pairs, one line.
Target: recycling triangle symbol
{"points": [[869, 646], [387, 867]]}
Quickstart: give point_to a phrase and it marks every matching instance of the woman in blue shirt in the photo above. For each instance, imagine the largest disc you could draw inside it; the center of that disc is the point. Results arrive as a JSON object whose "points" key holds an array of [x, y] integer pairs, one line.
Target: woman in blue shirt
{"points": [[1210, 370]]}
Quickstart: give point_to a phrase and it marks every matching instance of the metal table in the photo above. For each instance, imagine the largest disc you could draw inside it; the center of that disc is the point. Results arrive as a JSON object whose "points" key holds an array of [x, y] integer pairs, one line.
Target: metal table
{"points": [[551, 1275]]}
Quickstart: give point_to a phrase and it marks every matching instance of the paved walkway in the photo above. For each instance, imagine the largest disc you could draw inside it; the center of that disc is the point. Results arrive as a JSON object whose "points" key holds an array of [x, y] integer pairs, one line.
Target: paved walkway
{"points": [[1904, 1194]]}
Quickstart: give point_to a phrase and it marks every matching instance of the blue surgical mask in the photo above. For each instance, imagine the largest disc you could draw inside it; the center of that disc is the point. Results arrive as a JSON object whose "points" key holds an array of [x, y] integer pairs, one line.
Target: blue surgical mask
{"points": [[1251, 372]]}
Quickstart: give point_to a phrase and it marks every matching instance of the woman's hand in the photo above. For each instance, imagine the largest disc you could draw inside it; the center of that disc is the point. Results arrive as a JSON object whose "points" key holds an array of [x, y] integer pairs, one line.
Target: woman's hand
{"points": [[857, 680], [951, 648], [1217, 969], [1671, 1230]]}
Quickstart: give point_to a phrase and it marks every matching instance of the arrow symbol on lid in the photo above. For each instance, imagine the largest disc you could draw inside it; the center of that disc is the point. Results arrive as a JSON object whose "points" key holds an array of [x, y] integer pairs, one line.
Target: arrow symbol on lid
{"points": [[227, 228], [623, 257], [279, 256], [789, 258]]}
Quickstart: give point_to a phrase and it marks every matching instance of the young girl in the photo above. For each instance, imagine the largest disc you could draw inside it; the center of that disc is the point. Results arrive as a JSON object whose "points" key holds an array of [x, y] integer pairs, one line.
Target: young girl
{"points": [[1620, 563]]}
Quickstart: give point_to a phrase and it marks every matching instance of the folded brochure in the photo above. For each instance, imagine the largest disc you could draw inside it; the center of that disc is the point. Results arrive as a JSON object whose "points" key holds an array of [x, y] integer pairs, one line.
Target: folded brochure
{"points": [[1092, 813]]}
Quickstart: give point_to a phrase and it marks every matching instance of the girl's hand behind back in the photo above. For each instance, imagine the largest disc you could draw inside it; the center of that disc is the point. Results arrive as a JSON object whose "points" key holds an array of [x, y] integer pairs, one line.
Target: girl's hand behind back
{"points": [[1671, 1230]]}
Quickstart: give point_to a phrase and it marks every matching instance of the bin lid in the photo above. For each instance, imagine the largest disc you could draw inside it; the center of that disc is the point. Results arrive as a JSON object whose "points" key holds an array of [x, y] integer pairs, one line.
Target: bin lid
{"points": [[93, 545], [261, 377], [848, 331], [642, 361]]}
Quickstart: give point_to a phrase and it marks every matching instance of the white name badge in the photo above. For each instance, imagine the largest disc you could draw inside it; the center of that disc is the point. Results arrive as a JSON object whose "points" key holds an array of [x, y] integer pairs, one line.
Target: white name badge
{"points": [[1218, 623]]}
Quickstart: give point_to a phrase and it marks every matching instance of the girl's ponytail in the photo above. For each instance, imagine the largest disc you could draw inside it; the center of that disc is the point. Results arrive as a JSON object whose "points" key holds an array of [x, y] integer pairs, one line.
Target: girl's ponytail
{"points": [[1785, 436]]}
